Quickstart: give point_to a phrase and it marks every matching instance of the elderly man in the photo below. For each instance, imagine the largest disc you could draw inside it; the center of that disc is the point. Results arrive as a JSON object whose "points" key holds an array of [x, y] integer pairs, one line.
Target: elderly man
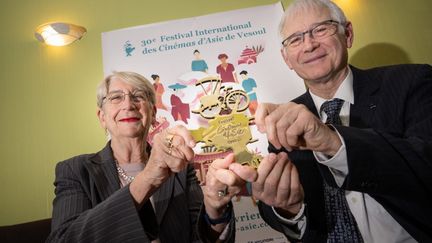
{"points": [[350, 159]]}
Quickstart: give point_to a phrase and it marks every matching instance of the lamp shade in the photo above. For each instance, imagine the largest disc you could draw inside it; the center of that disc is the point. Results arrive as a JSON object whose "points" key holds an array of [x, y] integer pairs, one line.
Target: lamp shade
{"points": [[59, 34]]}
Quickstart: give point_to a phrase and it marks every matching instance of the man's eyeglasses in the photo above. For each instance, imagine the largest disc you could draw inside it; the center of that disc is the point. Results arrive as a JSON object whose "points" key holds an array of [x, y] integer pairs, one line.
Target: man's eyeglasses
{"points": [[117, 97], [318, 32]]}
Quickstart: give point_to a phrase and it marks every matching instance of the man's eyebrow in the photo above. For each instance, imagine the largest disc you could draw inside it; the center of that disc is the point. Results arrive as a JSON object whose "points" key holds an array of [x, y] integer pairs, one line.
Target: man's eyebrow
{"points": [[115, 91], [313, 25]]}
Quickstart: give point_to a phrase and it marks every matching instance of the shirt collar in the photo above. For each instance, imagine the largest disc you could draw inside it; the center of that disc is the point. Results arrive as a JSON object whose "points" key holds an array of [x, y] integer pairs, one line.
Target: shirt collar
{"points": [[344, 92]]}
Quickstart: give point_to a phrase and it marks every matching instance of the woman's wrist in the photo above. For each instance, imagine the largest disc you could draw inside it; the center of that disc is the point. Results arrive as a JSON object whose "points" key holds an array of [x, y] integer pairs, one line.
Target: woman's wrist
{"points": [[222, 218], [141, 189]]}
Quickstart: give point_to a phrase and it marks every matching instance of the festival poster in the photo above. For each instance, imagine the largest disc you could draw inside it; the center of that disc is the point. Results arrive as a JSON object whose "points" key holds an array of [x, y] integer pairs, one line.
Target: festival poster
{"points": [[209, 74]]}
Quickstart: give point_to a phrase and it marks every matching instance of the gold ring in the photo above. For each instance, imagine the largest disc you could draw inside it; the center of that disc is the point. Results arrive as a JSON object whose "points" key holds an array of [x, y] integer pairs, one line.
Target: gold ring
{"points": [[169, 139], [223, 193]]}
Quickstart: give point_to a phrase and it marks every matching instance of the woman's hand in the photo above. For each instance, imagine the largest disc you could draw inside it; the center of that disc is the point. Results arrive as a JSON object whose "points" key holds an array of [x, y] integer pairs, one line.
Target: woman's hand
{"points": [[224, 180], [171, 153]]}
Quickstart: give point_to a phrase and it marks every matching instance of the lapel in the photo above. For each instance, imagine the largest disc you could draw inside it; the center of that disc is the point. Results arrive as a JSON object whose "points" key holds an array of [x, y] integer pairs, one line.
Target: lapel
{"points": [[162, 197], [102, 170], [306, 99], [365, 88]]}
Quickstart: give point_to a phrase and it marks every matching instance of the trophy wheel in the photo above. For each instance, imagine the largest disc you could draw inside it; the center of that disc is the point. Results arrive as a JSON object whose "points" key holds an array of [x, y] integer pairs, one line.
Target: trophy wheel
{"points": [[237, 100]]}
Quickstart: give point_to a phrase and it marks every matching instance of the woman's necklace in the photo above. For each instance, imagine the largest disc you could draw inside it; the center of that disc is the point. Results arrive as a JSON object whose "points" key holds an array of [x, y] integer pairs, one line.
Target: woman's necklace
{"points": [[127, 178]]}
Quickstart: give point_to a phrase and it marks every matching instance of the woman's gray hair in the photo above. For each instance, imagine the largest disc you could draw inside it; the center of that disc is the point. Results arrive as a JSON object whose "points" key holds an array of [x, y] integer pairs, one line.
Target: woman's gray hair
{"points": [[136, 80], [297, 6]]}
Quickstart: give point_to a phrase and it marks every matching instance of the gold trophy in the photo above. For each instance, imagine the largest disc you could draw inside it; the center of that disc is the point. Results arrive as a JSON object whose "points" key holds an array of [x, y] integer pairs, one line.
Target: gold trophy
{"points": [[228, 127]]}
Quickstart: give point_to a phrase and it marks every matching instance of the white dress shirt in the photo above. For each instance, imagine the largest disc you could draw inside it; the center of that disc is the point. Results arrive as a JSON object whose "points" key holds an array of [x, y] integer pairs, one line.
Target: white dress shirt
{"points": [[376, 225]]}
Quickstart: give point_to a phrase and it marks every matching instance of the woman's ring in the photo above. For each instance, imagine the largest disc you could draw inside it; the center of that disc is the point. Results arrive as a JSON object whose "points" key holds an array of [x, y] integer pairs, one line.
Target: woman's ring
{"points": [[169, 140], [222, 193]]}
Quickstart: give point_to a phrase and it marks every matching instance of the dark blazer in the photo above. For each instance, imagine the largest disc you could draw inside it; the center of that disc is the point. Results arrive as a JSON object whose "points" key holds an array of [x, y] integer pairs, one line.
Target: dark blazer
{"points": [[90, 206], [388, 145]]}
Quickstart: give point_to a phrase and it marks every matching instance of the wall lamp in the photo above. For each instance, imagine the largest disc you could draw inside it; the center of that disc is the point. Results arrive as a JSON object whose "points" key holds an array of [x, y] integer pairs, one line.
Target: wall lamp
{"points": [[59, 34]]}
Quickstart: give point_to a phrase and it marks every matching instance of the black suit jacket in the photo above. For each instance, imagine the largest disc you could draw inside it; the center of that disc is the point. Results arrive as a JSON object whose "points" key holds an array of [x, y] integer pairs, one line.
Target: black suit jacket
{"points": [[90, 206], [388, 145]]}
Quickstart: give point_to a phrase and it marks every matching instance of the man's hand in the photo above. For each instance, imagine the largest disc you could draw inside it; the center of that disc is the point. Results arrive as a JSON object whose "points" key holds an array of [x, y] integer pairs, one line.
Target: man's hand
{"points": [[278, 185], [293, 126]]}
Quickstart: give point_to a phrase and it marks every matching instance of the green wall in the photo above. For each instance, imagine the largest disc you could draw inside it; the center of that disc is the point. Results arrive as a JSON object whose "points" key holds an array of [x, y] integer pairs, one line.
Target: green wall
{"points": [[47, 95]]}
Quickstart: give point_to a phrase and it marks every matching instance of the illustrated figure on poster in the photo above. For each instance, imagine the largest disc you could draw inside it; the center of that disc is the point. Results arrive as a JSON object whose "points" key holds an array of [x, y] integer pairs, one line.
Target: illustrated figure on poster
{"points": [[128, 48], [179, 110], [226, 70], [199, 64], [159, 90], [249, 85], [250, 55]]}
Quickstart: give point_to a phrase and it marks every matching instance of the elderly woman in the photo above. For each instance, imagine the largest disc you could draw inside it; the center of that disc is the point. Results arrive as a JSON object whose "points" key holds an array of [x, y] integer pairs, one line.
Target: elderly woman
{"points": [[131, 192]]}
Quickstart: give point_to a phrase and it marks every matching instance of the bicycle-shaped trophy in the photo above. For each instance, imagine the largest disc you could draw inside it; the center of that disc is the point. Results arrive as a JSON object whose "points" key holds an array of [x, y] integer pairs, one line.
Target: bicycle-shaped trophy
{"points": [[221, 100], [228, 127]]}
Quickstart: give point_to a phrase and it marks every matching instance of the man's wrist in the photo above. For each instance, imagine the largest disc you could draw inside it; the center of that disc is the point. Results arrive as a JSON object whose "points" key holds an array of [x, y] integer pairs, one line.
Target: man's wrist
{"points": [[294, 218], [289, 213], [335, 143], [296, 226]]}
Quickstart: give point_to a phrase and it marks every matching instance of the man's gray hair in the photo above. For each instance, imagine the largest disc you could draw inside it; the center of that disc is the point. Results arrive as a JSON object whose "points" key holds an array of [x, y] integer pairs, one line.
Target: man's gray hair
{"points": [[297, 6], [134, 79]]}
